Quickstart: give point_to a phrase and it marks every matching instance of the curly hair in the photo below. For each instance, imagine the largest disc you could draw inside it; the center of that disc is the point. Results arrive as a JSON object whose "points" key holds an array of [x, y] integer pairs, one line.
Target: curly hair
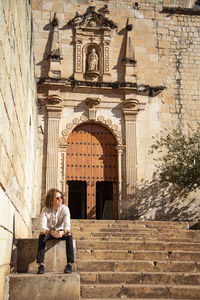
{"points": [[50, 197]]}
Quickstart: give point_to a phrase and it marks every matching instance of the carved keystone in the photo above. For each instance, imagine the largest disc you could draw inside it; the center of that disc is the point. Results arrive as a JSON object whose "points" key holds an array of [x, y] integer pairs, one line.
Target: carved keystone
{"points": [[92, 102]]}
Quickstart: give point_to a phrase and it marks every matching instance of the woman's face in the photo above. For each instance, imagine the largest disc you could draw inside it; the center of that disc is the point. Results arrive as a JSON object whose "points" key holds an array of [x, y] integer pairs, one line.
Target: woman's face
{"points": [[57, 201]]}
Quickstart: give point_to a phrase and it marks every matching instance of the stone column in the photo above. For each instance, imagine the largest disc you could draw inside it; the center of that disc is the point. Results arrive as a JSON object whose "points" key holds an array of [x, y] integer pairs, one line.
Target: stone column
{"points": [[121, 202], [62, 186], [53, 113], [130, 111]]}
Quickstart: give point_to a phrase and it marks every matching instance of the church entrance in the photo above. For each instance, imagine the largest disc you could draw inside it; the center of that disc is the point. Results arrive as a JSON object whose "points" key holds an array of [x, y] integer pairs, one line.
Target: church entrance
{"points": [[91, 172]]}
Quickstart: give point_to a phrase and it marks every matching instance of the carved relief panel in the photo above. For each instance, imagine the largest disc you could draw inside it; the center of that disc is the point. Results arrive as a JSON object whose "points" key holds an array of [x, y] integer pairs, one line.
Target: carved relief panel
{"points": [[92, 36]]}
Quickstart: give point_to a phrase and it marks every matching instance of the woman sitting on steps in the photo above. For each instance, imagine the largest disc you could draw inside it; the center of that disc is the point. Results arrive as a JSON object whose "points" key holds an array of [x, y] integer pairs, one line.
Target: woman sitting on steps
{"points": [[55, 224]]}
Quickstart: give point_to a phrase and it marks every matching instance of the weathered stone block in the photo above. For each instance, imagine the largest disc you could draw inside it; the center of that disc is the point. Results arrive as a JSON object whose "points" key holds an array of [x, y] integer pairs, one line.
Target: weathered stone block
{"points": [[4, 270], [49, 286], [55, 257], [6, 246], [99, 291], [36, 5], [146, 291], [185, 292]]}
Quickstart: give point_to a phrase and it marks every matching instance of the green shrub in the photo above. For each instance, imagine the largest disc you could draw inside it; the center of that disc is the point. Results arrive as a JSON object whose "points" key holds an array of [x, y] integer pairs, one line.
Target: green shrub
{"points": [[179, 158]]}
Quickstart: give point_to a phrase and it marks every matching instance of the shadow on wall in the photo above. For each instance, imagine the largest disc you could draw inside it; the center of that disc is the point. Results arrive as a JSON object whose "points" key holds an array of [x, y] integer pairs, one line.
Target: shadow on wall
{"points": [[163, 201], [44, 63]]}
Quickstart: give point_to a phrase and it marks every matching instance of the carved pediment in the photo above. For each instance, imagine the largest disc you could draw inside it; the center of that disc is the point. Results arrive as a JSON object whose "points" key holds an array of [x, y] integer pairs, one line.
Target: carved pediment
{"points": [[91, 19]]}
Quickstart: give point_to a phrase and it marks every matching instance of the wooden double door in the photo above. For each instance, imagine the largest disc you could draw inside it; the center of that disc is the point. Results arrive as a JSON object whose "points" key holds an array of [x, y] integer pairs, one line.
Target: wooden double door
{"points": [[91, 172]]}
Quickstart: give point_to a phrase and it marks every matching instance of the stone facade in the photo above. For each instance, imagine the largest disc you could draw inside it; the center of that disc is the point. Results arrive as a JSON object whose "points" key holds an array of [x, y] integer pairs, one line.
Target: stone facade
{"points": [[146, 79], [18, 129], [143, 77]]}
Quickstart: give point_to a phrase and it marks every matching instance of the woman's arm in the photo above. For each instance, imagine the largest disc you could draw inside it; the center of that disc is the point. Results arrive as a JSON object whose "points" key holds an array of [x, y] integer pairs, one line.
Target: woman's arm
{"points": [[43, 222], [66, 220]]}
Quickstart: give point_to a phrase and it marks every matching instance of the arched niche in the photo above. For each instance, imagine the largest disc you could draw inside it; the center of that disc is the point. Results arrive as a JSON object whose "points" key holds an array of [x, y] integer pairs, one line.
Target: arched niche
{"points": [[92, 60]]}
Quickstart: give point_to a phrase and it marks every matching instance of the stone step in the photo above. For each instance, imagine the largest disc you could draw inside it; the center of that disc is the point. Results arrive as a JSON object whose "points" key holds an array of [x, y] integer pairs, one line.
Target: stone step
{"points": [[189, 234], [137, 245], [139, 291], [137, 266], [128, 253], [48, 286], [183, 234], [140, 278], [138, 255], [127, 223], [155, 235], [133, 298], [97, 225], [105, 227], [135, 238]]}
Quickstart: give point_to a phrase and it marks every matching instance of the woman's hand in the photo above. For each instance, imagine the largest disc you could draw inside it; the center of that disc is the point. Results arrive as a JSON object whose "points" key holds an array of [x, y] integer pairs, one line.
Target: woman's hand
{"points": [[57, 234], [61, 232]]}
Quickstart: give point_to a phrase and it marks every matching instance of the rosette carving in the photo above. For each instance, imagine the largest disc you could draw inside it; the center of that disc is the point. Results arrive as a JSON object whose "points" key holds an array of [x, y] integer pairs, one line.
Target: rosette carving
{"points": [[101, 119], [62, 140], [76, 121], [65, 132], [83, 118], [108, 122], [69, 126]]}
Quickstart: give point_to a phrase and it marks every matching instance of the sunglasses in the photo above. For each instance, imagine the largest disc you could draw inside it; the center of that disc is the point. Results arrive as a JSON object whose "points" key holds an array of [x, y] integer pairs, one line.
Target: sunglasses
{"points": [[59, 197]]}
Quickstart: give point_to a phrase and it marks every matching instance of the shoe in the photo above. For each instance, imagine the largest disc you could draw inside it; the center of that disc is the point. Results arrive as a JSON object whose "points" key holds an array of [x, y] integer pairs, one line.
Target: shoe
{"points": [[68, 269], [40, 269]]}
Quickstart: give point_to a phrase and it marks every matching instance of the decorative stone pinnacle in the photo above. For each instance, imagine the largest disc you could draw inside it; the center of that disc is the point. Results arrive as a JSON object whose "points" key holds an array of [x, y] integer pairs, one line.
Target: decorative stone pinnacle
{"points": [[129, 27], [55, 20], [92, 3]]}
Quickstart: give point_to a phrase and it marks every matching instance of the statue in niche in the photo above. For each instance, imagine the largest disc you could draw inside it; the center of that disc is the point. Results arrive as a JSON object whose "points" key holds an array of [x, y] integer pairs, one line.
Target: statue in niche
{"points": [[93, 60], [197, 4]]}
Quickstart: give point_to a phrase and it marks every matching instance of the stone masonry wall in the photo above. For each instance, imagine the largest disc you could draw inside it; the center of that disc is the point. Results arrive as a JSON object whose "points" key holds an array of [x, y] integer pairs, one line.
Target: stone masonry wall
{"points": [[178, 45], [18, 129], [166, 48]]}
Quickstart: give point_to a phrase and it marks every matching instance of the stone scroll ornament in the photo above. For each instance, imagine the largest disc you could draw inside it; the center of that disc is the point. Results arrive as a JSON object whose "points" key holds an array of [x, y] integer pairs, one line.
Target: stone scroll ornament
{"points": [[106, 122], [91, 18]]}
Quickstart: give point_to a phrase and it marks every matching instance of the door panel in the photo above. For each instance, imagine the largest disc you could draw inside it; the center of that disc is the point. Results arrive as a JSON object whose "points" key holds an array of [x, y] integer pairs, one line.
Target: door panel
{"points": [[104, 200], [91, 157], [77, 199]]}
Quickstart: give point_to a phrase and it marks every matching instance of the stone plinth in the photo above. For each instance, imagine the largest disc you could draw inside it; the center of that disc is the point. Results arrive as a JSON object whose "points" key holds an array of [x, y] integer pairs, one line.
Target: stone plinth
{"points": [[55, 257], [49, 286]]}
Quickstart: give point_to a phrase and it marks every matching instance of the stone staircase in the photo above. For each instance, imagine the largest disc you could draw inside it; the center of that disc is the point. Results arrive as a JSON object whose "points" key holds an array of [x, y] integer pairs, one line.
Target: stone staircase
{"points": [[123, 259], [137, 260]]}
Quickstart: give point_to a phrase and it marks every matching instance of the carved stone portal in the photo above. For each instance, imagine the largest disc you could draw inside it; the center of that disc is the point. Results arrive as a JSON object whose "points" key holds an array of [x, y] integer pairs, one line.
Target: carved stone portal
{"points": [[92, 37]]}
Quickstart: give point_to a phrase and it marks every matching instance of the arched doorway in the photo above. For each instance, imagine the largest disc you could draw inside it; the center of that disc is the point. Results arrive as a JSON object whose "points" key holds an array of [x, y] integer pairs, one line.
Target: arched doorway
{"points": [[91, 172]]}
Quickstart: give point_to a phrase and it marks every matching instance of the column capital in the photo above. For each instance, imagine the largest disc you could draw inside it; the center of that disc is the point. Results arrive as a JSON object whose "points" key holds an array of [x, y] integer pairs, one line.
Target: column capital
{"points": [[54, 99], [120, 148], [130, 114], [53, 111], [63, 147], [130, 109]]}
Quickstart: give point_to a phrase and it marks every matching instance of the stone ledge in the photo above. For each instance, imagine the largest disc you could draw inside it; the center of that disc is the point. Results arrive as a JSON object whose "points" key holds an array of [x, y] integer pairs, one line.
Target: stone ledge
{"points": [[55, 257], [181, 11], [49, 286]]}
